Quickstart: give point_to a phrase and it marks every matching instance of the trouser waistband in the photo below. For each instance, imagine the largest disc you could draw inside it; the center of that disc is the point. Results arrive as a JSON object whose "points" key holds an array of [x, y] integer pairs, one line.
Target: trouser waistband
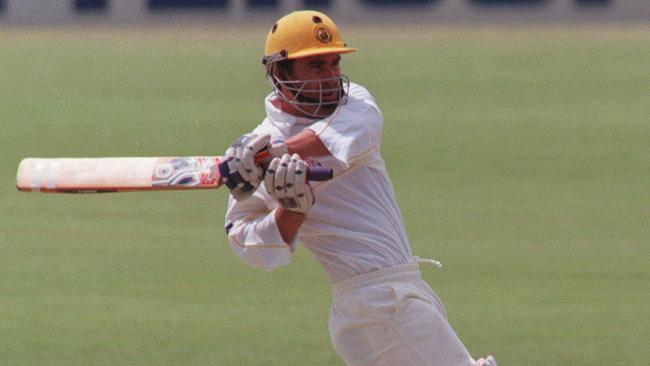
{"points": [[400, 273]]}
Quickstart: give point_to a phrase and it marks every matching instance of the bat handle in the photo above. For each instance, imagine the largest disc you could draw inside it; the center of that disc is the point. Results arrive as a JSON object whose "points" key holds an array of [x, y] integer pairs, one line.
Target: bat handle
{"points": [[315, 174], [319, 174]]}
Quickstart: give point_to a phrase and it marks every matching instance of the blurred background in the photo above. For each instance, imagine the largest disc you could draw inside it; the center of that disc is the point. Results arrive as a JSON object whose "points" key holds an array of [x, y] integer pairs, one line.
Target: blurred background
{"points": [[363, 11], [517, 134]]}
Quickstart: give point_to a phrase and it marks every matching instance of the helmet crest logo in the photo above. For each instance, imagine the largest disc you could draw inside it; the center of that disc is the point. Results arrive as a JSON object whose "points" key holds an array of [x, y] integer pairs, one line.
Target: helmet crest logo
{"points": [[323, 34]]}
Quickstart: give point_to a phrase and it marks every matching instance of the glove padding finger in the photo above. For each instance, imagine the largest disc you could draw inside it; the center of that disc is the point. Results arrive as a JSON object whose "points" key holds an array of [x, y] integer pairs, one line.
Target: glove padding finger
{"points": [[248, 168], [302, 190], [244, 175], [232, 157], [285, 182], [269, 177], [279, 183]]}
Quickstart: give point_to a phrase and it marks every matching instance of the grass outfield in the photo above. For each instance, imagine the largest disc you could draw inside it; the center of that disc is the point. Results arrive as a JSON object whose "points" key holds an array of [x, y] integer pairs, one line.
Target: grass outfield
{"points": [[520, 158]]}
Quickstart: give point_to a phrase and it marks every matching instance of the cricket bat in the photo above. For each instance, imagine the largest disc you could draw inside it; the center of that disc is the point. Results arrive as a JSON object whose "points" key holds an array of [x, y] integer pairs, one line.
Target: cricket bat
{"points": [[101, 175]]}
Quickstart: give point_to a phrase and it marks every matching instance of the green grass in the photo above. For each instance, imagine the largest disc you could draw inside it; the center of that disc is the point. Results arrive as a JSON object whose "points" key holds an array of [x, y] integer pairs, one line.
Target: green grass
{"points": [[520, 158]]}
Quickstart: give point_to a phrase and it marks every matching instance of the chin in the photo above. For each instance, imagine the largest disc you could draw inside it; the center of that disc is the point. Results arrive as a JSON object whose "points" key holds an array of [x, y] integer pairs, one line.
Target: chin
{"points": [[326, 111], [330, 98]]}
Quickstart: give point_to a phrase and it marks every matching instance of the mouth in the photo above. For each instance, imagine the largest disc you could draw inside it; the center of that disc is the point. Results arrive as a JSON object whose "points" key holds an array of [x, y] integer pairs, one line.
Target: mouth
{"points": [[330, 95]]}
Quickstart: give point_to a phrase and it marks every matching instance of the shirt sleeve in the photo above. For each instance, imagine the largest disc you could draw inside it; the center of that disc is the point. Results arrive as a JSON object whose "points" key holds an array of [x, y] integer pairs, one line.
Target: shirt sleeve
{"points": [[253, 233], [352, 132]]}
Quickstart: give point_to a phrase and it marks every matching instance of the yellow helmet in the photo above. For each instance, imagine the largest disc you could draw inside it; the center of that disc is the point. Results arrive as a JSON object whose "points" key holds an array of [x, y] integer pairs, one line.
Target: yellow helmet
{"points": [[303, 34]]}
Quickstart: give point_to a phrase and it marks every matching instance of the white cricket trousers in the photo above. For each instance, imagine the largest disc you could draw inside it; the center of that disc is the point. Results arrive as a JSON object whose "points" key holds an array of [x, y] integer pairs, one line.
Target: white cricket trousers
{"points": [[391, 317]]}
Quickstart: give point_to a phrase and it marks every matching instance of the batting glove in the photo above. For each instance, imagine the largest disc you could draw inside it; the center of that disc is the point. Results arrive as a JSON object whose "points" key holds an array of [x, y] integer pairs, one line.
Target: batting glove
{"points": [[286, 183], [244, 173]]}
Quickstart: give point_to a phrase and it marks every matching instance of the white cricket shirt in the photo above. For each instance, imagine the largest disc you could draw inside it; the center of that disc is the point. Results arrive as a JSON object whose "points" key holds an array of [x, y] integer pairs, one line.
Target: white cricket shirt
{"points": [[355, 225]]}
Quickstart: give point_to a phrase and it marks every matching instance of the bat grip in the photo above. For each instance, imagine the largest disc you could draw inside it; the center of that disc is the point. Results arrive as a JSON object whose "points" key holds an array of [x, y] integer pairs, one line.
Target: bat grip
{"points": [[263, 158], [319, 174], [315, 174]]}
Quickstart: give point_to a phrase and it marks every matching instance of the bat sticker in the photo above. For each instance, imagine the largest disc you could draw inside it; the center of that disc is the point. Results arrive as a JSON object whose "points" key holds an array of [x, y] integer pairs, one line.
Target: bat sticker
{"points": [[184, 171]]}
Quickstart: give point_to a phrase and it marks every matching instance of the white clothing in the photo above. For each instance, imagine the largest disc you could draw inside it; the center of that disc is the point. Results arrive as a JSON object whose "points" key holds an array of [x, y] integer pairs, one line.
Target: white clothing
{"points": [[391, 317], [383, 312], [355, 225]]}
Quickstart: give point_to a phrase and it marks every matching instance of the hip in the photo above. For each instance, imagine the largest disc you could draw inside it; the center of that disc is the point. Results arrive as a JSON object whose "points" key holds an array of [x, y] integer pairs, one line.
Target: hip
{"points": [[383, 293]]}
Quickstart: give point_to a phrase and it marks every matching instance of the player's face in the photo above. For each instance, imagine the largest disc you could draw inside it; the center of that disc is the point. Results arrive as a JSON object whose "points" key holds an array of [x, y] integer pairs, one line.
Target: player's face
{"points": [[325, 72]]}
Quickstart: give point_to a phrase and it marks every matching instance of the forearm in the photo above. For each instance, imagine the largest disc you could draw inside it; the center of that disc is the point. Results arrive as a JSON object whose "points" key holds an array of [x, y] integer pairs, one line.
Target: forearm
{"points": [[288, 223], [254, 235], [306, 144]]}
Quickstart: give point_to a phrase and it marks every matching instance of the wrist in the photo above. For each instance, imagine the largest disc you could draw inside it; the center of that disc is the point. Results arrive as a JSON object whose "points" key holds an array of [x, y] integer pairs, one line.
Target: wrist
{"points": [[288, 223], [288, 214]]}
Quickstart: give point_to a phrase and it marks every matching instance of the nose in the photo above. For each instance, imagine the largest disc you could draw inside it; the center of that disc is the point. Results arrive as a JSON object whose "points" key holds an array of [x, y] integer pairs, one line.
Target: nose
{"points": [[330, 77], [329, 71], [333, 72], [330, 83]]}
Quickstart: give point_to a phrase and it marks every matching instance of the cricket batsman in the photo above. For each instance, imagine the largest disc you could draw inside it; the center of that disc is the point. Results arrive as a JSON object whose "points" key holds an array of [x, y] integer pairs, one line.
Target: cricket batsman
{"points": [[383, 313]]}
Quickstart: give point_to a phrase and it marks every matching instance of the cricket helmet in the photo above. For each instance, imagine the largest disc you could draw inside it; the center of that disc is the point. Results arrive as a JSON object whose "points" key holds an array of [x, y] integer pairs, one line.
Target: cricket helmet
{"points": [[298, 35], [302, 34]]}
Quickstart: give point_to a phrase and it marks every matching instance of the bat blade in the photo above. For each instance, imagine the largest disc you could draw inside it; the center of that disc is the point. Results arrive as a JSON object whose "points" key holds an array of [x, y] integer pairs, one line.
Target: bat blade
{"points": [[97, 175], [101, 175]]}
